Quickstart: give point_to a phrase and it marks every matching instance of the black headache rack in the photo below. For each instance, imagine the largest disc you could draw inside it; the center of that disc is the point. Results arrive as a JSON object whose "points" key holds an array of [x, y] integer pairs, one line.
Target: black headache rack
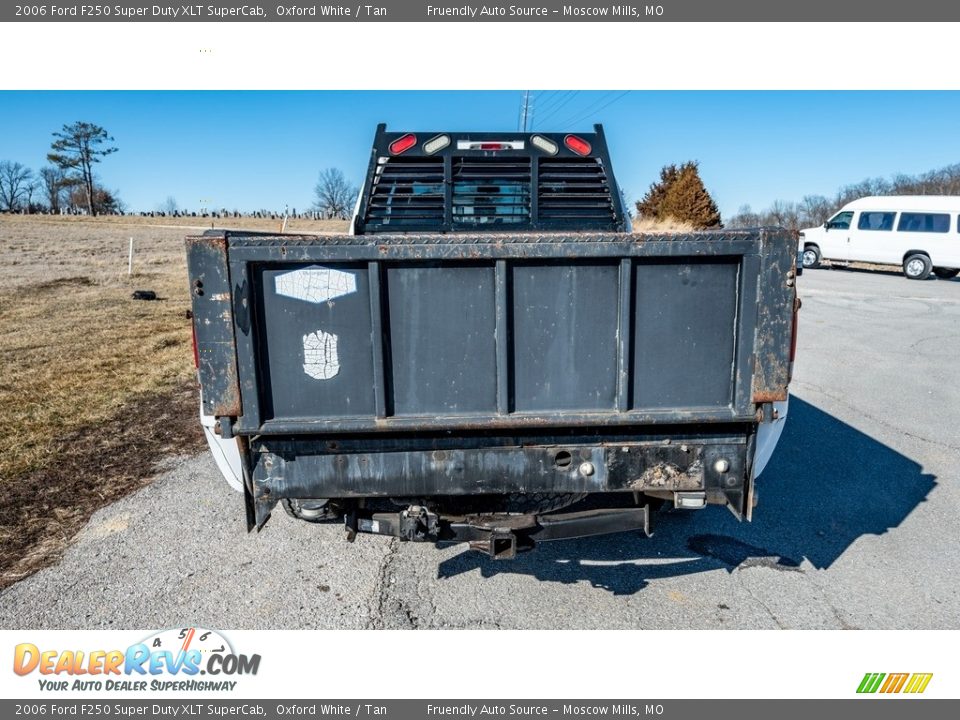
{"points": [[437, 182], [416, 366]]}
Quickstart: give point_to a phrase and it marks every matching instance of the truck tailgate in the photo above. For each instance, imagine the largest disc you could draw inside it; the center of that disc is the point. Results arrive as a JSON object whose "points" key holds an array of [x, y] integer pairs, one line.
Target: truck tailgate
{"points": [[306, 335]]}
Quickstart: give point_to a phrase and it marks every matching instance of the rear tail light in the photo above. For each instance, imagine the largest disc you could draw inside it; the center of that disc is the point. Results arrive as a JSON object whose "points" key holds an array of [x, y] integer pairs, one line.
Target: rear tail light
{"points": [[542, 143], [434, 144], [403, 143], [577, 144], [793, 337]]}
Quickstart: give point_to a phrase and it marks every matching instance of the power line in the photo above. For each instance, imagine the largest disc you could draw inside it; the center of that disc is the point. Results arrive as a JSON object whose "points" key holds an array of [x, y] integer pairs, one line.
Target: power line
{"points": [[590, 111], [571, 94], [548, 103], [589, 106]]}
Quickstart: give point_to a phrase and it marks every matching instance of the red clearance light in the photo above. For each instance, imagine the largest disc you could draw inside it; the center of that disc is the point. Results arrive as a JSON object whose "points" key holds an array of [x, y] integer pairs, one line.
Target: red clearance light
{"points": [[491, 146], [403, 143], [578, 145]]}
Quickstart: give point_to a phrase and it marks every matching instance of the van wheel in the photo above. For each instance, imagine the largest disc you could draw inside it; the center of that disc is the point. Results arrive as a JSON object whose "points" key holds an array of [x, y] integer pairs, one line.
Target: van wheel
{"points": [[946, 273], [917, 267], [811, 257]]}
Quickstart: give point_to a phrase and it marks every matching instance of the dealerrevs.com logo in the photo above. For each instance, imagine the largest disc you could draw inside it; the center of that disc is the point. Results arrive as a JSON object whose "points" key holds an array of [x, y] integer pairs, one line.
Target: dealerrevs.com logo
{"points": [[910, 683], [169, 660]]}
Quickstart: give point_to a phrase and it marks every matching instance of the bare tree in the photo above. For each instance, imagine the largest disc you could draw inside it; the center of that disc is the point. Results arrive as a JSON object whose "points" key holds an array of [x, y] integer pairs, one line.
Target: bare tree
{"points": [[785, 214], [33, 188], [15, 181], [55, 186], [76, 149], [864, 188], [745, 218], [815, 210], [170, 206], [334, 194]]}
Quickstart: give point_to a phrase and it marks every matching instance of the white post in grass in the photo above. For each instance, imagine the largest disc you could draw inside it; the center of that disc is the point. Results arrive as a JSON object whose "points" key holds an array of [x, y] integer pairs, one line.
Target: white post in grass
{"points": [[130, 259]]}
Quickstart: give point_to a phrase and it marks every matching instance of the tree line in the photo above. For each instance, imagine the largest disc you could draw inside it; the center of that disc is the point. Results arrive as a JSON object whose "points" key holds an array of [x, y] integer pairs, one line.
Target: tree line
{"points": [[814, 210], [68, 183]]}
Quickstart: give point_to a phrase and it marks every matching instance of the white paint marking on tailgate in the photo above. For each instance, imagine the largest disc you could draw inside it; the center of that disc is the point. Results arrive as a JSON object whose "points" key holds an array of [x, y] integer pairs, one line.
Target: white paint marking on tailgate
{"points": [[320, 358], [315, 284]]}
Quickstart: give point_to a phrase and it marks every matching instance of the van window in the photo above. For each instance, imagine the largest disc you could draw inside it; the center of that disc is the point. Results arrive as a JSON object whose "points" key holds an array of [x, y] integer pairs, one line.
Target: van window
{"points": [[840, 221], [876, 220], [924, 222]]}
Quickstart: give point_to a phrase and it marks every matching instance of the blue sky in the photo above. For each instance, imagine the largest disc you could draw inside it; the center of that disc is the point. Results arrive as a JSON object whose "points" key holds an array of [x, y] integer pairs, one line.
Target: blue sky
{"points": [[252, 150]]}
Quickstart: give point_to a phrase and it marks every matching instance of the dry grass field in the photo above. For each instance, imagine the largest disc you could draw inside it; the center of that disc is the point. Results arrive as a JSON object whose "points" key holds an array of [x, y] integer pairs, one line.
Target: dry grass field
{"points": [[95, 388]]}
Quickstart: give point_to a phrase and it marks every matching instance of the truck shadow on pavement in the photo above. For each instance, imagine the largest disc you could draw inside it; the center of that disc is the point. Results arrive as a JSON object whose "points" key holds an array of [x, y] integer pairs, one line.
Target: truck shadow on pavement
{"points": [[827, 485]]}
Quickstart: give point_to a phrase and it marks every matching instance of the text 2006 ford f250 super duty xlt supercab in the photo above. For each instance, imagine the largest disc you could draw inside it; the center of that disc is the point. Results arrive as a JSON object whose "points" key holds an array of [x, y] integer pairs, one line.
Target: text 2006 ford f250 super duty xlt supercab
{"points": [[490, 356]]}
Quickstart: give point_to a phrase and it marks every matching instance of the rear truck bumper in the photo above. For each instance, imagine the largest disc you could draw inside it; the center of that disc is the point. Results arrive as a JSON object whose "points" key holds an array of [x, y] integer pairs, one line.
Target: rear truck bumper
{"points": [[690, 472], [226, 452]]}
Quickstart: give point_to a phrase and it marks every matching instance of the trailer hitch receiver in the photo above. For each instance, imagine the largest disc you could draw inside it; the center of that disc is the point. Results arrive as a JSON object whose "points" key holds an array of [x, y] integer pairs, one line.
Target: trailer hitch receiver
{"points": [[500, 544]]}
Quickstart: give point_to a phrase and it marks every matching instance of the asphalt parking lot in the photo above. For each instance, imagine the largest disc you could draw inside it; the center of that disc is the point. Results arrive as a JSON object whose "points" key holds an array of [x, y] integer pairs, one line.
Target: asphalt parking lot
{"points": [[857, 523]]}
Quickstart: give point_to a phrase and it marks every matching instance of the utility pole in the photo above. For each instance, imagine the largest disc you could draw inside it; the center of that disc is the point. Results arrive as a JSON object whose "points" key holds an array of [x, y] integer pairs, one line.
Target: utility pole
{"points": [[526, 111]]}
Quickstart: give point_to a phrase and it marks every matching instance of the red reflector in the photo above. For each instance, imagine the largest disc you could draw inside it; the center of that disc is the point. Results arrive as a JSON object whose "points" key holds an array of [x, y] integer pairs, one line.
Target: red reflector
{"points": [[402, 144], [793, 337], [196, 353], [491, 146], [578, 145]]}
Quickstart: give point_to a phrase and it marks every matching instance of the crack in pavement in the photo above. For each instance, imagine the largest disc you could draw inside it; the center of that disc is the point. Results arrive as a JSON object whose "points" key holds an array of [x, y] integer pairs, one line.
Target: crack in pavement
{"points": [[759, 602], [401, 602]]}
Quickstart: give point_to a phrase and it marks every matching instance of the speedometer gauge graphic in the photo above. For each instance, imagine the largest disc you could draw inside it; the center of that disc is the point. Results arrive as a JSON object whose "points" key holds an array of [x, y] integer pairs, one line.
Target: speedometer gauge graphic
{"points": [[181, 640]]}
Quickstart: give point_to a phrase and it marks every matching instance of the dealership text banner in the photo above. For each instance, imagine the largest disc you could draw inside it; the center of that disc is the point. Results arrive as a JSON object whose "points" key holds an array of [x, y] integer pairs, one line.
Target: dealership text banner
{"points": [[538, 11]]}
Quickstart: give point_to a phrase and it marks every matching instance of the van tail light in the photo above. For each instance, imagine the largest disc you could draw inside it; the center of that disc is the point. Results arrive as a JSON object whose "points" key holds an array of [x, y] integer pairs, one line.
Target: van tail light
{"points": [[196, 353], [403, 143], [793, 337], [577, 144]]}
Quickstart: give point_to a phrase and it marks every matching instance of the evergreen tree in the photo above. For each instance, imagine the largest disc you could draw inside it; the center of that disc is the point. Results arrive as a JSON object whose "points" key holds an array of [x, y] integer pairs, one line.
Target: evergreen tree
{"points": [[687, 200], [649, 206], [77, 148]]}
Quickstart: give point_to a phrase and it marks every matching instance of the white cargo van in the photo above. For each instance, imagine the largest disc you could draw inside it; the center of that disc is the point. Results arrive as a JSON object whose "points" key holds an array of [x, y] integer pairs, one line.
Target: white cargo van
{"points": [[921, 233]]}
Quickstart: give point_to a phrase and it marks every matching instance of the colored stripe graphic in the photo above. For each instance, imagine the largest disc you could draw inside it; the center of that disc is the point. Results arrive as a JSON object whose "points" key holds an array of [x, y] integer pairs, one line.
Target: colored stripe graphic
{"points": [[894, 683], [870, 682], [918, 682]]}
